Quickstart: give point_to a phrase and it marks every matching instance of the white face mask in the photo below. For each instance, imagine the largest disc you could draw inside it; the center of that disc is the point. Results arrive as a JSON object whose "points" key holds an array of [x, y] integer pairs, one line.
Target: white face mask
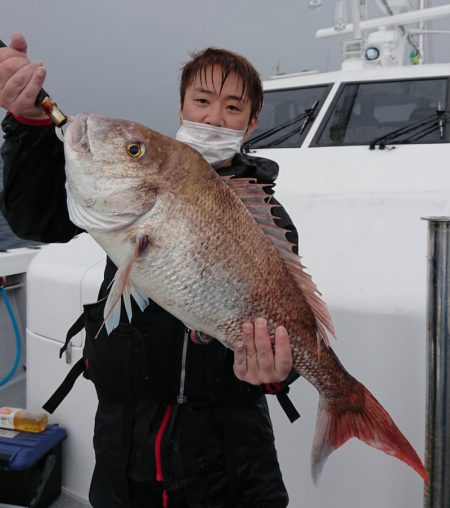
{"points": [[216, 144]]}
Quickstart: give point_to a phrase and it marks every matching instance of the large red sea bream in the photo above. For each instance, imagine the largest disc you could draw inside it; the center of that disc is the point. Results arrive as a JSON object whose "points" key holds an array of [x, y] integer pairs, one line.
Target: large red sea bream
{"points": [[207, 249]]}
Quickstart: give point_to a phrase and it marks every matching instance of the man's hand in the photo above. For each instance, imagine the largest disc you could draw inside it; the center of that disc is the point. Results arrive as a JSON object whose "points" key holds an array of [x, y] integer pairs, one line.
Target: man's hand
{"points": [[254, 359], [20, 79]]}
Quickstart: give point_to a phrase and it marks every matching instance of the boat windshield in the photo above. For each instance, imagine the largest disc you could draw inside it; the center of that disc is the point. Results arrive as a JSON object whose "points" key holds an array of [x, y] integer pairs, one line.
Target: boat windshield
{"points": [[286, 117], [364, 112]]}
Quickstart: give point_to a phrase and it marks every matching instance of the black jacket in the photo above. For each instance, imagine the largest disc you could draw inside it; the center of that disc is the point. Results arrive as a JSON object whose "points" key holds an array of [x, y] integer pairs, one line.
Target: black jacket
{"points": [[142, 364], [34, 205]]}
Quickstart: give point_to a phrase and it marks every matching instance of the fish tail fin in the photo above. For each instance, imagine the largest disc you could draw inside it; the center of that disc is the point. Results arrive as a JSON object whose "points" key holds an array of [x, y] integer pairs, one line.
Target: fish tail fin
{"points": [[368, 421]]}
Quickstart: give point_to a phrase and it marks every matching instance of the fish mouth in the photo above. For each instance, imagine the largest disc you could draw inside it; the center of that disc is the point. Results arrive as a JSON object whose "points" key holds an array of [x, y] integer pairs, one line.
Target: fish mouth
{"points": [[77, 134]]}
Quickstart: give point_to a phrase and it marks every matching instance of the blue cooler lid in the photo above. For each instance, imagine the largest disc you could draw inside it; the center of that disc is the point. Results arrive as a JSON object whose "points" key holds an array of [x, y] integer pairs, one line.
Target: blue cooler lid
{"points": [[22, 449]]}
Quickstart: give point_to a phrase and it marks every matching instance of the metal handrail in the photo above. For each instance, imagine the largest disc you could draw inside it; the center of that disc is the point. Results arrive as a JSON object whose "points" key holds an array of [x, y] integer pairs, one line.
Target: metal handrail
{"points": [[437, 456]]}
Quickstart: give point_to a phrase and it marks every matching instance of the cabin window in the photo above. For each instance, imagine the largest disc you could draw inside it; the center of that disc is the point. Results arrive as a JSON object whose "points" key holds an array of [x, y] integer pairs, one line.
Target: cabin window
{"points": [[286, 117], [397, 111]]}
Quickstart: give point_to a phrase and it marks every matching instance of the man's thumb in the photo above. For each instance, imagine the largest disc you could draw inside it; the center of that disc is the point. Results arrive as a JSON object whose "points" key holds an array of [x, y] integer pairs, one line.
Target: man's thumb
{"points": [[18, 42]]}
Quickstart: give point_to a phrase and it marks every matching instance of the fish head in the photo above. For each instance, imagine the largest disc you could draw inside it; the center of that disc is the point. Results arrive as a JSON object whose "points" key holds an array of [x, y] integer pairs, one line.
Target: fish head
{"points": [[118, 168]]}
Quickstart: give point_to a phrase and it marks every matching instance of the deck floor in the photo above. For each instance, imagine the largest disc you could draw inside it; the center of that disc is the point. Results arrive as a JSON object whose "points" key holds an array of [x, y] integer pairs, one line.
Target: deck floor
{"points": [[62, 502]]}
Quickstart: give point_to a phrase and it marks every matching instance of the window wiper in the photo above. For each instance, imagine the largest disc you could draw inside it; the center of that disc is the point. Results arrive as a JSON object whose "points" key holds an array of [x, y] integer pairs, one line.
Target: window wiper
{"points": [[437, 120], [427, 130], [274, 130], [306, 116]]}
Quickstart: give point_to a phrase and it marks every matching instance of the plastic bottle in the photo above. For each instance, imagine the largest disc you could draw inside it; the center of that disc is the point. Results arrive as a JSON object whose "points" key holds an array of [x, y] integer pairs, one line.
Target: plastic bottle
{"points": [[21, 419]]}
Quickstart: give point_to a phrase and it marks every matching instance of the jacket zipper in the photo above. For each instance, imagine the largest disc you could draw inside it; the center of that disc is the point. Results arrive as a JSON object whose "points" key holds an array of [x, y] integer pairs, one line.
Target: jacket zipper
{"points": [[181, 397]]}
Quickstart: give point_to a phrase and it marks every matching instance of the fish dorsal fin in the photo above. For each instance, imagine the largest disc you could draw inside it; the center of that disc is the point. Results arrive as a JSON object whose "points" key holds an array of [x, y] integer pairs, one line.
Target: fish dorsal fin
{"points": [[258, 203]]}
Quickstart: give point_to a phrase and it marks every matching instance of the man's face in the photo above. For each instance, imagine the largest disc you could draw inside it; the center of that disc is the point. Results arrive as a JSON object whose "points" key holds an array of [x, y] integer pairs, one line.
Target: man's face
{"points": [[206, 102]]}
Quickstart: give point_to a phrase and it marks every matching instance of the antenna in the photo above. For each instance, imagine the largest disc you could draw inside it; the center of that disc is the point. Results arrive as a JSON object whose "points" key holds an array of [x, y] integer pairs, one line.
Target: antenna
{"points": [[387, 40]]}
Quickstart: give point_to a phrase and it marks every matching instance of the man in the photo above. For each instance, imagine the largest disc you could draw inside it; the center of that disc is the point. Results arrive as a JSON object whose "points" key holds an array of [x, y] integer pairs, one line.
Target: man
{"points": [[178, 424]]}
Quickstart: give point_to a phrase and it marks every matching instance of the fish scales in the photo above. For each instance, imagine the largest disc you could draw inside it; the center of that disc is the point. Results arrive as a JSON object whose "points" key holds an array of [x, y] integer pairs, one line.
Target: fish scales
{"points": [[226, 270], [207, 250]]}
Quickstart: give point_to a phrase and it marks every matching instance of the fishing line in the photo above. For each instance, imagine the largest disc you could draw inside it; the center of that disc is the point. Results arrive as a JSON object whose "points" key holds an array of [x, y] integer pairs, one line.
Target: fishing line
{"points": [[17, 334], [59, 128], [59, 134]]}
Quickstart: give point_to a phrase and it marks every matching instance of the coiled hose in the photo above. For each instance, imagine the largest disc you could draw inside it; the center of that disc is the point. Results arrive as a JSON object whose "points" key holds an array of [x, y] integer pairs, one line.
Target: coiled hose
{"points": [[18, 338]]}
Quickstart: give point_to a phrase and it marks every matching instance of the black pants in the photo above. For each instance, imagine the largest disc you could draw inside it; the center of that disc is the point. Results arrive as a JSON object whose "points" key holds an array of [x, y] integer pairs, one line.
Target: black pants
{"points": [[124, 475], [150, 495]]}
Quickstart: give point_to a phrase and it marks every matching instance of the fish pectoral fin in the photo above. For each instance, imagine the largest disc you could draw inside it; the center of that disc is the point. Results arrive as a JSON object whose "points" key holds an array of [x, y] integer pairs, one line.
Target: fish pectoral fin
{"points": [[122, 286], [111, 313], [140, 298], [113, 318]]}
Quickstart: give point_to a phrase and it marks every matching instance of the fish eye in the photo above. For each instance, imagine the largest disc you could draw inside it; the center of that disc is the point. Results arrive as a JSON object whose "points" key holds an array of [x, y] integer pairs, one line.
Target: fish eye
{"points": [[135, 150]]}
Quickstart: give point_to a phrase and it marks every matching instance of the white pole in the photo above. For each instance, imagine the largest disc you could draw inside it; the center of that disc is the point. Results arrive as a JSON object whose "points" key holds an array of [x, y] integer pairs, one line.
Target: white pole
{"points": [[421, 27], [339, 15], [397, 19], [356, 17]]}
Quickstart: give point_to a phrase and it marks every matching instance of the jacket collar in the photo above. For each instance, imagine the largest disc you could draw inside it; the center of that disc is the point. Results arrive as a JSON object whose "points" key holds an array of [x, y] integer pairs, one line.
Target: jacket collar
{"points": [[245, 166]]}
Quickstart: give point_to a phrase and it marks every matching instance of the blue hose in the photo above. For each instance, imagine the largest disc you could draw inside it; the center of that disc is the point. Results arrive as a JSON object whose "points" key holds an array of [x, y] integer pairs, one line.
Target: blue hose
{"points": [[18, 338]]}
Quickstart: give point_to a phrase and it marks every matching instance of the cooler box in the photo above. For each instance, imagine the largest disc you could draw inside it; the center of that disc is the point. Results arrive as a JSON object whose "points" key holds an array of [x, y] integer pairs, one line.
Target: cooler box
{"points": [[30, 466]]}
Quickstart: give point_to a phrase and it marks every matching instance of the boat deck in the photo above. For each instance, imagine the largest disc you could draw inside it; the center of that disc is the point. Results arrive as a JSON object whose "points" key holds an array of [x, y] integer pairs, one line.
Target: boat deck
{"points": [[62, 502]]}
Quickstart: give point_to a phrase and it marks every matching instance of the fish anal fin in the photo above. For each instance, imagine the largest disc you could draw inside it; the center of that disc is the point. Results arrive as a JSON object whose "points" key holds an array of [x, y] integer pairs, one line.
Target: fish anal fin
{"points": [[366, 420]]}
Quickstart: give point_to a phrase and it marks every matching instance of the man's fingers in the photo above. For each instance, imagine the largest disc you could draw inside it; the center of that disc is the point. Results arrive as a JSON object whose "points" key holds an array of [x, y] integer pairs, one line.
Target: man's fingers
{"points": [[245, 360], [19, 92], [240, 361], [264, 351], [262, 337], [248, 338], [34, 85], [283, 352], [10, 66], [255, 360], [18, 42]]}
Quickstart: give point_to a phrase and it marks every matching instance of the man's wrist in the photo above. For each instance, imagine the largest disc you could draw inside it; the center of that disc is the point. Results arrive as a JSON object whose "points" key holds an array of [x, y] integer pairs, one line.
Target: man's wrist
{"points": [[272, 387], [38, 120]]}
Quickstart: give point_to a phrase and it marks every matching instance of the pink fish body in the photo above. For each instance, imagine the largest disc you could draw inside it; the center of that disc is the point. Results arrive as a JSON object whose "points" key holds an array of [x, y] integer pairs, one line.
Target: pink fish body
{"points": [[208, 250]]}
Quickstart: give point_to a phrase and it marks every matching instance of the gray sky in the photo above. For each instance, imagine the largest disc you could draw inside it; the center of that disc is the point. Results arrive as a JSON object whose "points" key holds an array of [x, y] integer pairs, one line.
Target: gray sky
{"points": [[121, 57]]}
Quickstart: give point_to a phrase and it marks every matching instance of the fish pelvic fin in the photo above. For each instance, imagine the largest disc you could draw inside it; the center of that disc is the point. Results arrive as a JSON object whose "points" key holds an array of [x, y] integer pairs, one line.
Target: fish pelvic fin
{"points": [[258, 203], [123, 287], [366, 420]]}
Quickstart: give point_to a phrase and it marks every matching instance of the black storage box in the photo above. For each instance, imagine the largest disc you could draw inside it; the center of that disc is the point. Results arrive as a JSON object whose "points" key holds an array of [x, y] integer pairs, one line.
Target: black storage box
{"points": [[30, 467]]}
